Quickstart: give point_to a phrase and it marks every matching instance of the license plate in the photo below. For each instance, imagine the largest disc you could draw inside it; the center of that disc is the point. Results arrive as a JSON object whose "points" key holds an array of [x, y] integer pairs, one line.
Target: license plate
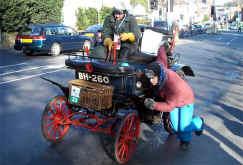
{"points": [[26, 40], [94, 78], [90, 34], [74, 94]]}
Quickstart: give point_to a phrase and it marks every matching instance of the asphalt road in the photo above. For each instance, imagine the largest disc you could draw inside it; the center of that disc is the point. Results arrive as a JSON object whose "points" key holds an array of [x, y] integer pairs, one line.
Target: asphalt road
{"points": [[218, 64]]}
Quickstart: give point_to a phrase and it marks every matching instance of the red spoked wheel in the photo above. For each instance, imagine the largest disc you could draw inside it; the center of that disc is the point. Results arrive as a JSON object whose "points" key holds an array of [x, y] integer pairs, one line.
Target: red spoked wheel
{"points": [[126, 138], [55, 119], [167, 123]]}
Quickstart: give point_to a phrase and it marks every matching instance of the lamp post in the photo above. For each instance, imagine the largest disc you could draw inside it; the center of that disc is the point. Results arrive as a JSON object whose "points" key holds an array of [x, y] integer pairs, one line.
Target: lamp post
{"points": [[213, 12], [100, 5], [1, 13], [239, 16]]}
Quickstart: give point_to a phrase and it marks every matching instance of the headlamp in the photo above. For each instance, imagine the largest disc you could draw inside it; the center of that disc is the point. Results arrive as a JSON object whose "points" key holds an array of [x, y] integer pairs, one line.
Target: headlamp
{"points": [[149, 73]]}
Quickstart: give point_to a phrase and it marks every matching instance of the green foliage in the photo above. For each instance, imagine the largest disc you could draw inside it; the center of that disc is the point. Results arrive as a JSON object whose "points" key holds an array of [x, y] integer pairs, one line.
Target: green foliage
{"points": [[87, 17], [144, 3], [92, 15], [19, 13], [104, 12], [82, 19], [205, 18], [143, 21]]}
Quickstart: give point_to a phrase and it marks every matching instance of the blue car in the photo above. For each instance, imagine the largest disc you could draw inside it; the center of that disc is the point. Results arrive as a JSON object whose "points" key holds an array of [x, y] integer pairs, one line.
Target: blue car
{"points": [[50, 38], [95, 32]]}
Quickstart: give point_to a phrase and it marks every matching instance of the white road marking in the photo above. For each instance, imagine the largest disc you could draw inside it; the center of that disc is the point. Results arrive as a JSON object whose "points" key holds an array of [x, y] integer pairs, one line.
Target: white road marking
{"points": [[28, 77], [228, 43], [44, 67], [3, 74], [5, 66]]}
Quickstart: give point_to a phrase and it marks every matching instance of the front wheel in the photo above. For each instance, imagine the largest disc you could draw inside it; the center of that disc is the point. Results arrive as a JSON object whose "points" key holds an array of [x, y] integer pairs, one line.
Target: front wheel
{"points": [[126, 138], [56, 49], [55, 119]]}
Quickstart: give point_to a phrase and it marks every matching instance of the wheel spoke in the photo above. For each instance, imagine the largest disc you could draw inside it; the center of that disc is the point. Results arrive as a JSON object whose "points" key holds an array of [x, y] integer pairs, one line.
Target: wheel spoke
{"points": [[63, 107], [51, 110], [65, 114], [51, 124], [126, 152], [55, 106], [131, 123], [60, 131], [60, 106], [50, 118], [56, 128], [121, 151], [50, 131]]}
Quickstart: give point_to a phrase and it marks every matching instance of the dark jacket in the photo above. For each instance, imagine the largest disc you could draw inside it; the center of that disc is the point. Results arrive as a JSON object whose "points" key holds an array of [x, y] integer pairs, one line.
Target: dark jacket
{"points": [[129, 25], [176, 93]]}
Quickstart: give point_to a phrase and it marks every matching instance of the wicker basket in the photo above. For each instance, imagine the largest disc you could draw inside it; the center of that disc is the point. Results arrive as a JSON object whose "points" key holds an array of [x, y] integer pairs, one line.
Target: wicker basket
{"points": [[90, 95]]}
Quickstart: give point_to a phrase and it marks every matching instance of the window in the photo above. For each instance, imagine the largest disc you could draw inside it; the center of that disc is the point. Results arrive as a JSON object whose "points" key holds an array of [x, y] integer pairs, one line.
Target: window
{"points": [[66, 31], [70, 31], [50, 31], [31, 31]]}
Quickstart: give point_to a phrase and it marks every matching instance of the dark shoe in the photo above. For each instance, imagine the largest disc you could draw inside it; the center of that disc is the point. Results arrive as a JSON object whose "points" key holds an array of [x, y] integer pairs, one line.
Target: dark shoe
{"points": [[199, 133], [184, 145]]}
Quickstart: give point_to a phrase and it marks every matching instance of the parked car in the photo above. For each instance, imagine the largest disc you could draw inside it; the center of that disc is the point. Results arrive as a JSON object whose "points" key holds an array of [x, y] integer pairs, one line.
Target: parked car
{"points": [[161, 25], [233, 26], [95, 33], [197, 28], [50, 38], [207, 25]]}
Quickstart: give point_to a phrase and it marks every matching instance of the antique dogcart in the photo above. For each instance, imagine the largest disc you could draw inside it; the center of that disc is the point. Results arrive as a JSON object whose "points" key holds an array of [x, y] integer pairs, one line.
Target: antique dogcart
{"points": [[105, 97]]}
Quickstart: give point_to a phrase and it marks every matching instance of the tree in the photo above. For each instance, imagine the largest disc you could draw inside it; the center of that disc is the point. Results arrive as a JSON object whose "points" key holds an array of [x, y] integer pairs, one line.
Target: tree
{"points": [[144, 3], [104, 12], [205, 18], [19, 13], [82, 19], [92, 15], [87, 17]]}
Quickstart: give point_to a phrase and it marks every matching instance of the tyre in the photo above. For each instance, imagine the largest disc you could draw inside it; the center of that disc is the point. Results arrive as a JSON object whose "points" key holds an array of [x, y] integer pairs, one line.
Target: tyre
{"points": [[54, 122], [18, 47], [56, 49], [167, 123]]}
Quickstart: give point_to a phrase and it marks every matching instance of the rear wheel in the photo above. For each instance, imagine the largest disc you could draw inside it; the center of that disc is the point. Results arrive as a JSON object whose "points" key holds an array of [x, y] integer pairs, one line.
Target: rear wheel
{"points": [[167, 123], [181, 74], [56, 49], [55, 119], [28, 52]]}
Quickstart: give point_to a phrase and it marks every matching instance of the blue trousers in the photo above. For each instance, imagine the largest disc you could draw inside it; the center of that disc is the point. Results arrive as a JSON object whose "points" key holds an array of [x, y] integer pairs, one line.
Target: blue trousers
{"points": [[184, 123]]}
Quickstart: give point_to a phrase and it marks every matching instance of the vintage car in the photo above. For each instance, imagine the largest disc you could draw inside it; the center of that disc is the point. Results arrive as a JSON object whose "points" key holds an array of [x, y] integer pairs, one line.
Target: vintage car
{"points": [[107, 96]]}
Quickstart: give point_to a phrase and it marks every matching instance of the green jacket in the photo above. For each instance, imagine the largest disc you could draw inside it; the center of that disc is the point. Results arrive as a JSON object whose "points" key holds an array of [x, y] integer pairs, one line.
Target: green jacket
{"points": [[129, 24]]}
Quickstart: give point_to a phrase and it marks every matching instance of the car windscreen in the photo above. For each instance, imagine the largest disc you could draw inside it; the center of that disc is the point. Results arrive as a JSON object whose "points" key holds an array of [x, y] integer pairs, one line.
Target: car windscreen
{"points": [[33, 31], [94, 28], [160, 23]]}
